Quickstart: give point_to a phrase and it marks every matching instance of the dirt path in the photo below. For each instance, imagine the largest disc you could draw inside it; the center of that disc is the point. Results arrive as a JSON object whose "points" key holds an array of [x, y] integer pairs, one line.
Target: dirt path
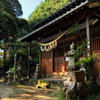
{"points": [[21, 92]]}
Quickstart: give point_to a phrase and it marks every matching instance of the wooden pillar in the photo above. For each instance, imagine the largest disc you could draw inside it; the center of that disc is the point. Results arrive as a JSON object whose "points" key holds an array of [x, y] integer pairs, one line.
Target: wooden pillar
{"points": [[52, 58], [77, 41], [15, 60], [89, 46], [40, 60], [88, 35], [29, 60]]}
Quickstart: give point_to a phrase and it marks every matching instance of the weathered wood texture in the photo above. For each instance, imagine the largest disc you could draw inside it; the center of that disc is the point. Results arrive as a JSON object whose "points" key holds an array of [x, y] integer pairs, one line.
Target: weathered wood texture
{"points": [[46, 67], [59, 64], [62, 23], [56, 62]]}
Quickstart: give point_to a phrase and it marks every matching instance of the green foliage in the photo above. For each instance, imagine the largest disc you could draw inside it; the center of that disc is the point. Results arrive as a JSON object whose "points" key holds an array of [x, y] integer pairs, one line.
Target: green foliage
{"points": [[75, 29], [45, 9], [8, 25], [1, 59], [93, 92], [59, 94], [88, 61], [11, 28], [12, 69], [42, 84], [1, 62], [21, 50]]}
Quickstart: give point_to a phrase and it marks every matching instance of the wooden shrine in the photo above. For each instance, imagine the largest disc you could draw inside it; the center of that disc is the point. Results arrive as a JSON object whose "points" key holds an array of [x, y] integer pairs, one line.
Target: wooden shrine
{"points": [[87, 14]]}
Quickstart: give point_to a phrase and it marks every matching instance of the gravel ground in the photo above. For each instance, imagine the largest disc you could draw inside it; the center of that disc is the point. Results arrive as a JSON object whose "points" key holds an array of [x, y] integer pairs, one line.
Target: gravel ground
{"points": [[21, 92]]}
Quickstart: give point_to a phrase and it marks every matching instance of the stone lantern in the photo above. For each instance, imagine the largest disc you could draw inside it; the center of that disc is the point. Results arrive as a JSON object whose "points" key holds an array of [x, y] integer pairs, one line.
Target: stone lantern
{"points": [[19, 69], [10, 76], [76, 85], [71, 55]]}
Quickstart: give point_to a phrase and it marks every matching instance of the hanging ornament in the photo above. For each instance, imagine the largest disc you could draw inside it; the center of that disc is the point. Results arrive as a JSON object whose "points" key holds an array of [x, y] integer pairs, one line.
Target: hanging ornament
{"points": [[55, 43], [41, 48], [45, 47], [48, 48]]}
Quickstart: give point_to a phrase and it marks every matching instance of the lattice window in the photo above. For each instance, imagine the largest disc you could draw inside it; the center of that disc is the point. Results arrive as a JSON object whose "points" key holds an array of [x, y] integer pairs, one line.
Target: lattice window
{"points": [[96, 44]]}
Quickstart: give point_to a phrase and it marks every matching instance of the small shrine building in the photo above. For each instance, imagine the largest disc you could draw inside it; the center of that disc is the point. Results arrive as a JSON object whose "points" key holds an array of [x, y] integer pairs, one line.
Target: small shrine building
{"points": [[55, 39]]}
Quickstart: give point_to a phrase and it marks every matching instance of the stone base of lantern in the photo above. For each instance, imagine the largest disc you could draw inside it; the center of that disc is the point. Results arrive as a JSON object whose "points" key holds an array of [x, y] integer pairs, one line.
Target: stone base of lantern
{"points": [[19, 78], [9, 80], [76, 87]]}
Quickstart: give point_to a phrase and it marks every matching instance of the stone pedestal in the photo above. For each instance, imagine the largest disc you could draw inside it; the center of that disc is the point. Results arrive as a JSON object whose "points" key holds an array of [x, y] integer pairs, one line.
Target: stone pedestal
{"points": [[76, 87]]}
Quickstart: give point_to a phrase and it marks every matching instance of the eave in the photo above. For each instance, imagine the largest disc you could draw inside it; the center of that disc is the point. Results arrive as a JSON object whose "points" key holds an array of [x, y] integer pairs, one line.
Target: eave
{"points": [[82, 3]]}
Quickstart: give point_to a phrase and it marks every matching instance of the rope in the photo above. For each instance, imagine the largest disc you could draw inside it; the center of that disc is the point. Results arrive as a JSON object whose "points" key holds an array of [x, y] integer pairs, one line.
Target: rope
{"points": [[46, 44]]}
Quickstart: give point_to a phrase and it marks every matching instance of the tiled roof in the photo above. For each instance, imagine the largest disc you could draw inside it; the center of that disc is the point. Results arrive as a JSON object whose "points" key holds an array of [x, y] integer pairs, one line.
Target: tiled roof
{"points": [[59, 13]]}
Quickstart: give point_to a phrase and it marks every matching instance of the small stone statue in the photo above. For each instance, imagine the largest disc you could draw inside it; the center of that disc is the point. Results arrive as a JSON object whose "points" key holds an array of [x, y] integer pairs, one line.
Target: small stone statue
{"points": [[37, 68], [19, 69], [37, 73], [10, 76]]}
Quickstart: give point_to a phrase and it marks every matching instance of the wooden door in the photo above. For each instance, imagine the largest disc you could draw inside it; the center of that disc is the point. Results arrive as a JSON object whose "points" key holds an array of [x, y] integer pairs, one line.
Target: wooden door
{"points": [[59, 64], [59, 61], [46, 63], [47, 66]]}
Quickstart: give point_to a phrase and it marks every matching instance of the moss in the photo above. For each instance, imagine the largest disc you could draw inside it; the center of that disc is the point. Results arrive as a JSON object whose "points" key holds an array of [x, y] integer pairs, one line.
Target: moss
{"points": [[42, 84]]}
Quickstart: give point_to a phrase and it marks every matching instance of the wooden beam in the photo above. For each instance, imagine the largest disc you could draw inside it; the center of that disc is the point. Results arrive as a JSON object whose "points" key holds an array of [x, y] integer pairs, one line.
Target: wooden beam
{"points": [[29, 60], [62, 23], [82, 26], [50, 38], [94, 4], [97, 15], [69, 21]]}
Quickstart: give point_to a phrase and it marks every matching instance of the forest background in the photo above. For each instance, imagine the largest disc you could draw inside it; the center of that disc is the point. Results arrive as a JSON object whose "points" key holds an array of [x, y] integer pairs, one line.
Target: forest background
{"points": [[12, 28]]}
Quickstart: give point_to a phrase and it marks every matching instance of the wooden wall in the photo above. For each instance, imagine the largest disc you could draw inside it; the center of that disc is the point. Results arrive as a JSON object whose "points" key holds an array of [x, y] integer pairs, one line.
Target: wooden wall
{"points": [[58, 63], [95, 38]]}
